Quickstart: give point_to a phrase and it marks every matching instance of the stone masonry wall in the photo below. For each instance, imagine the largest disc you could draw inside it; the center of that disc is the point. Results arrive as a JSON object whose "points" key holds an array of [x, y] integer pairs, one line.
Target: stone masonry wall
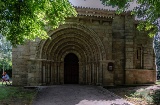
{"points": [[129, 44], [20, 56], [144, 42], [139, 66], [34, 66], [140, 76], [118, 48]]}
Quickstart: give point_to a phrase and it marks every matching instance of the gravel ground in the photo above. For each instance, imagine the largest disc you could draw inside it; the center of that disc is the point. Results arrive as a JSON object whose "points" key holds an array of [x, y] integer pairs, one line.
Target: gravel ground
{"points": [[77, 95]]}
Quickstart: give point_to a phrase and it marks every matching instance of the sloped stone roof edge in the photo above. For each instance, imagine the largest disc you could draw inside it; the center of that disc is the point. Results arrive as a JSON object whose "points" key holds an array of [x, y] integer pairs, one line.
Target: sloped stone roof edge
{"points": [[85, 11]]}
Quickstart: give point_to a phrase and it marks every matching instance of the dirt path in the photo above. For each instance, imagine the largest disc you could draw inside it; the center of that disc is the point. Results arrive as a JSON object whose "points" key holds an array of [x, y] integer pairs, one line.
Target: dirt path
{"points": [[77, 95]]}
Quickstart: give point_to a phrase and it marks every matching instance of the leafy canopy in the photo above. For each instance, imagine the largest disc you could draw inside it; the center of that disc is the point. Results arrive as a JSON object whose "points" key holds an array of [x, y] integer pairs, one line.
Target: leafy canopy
{"points": [[146, 10], [5, 54], [21, 20]]}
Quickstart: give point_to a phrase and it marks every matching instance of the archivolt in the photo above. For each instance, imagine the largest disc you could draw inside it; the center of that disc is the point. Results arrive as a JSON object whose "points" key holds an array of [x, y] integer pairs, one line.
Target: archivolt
{"points": [[72, 38]]}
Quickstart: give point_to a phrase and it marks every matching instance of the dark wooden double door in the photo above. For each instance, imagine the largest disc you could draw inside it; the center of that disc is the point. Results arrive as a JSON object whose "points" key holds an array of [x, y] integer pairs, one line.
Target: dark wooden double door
{"points": [[71, 69]]}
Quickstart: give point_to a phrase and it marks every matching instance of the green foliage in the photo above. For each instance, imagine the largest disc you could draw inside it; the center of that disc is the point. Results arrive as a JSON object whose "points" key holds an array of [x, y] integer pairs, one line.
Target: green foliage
{"points": [[158, 82], [150, 95], [121, 4], [147, 26], [144, 94], [156, 97], [146, 10], [22, 20], [5, 54], [16, 93]]}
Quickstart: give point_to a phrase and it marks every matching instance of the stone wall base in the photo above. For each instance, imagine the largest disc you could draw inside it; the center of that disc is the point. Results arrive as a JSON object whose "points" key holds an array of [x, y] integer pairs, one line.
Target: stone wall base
{"points": [[140, 76]]}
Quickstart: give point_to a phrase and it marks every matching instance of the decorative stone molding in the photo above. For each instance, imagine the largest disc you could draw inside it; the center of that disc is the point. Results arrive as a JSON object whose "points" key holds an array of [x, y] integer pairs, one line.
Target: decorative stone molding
{"points": [[82, 34]]}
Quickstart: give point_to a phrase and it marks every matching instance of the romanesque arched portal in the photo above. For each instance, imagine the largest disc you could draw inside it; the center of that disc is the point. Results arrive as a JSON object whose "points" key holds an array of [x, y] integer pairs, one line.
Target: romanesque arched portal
{"points": [[81, 42], [97, 38]]}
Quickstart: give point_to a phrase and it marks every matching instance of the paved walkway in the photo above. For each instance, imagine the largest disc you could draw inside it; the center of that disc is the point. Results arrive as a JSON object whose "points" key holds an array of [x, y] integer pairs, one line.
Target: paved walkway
{"points": [[77, 95]]}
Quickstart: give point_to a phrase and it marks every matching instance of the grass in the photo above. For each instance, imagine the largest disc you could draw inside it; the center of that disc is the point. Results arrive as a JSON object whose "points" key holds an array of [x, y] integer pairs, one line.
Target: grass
{"points": [[158, 82], [10, 95], [151, 96], [140, 95]]}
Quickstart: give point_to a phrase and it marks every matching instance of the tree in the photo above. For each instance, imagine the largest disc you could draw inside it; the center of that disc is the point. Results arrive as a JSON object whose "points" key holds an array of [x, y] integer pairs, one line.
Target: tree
{"points": [[148, 11], [156, 43], [5, 54], [22, 20]]}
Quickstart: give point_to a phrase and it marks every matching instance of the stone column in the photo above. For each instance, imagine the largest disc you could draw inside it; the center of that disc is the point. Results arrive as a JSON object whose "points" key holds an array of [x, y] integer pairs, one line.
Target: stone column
{"points": [[54, 72], [84, 76], [81, 73], [90, 73], [43, 73], [58, 72], [51, 73], [61, 72], [97, 73], [93, 72], [87, 73], [100, 73]]}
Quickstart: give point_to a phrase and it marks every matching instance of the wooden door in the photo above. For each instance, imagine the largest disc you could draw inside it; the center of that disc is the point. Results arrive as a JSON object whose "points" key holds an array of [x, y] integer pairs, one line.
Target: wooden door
{"points": [[71, 69]]}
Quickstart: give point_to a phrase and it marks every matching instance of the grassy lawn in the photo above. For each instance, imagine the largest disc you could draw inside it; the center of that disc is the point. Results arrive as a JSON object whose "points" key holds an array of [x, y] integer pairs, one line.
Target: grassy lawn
{"points": [[10, 95], [139, 95], [158, 82]]}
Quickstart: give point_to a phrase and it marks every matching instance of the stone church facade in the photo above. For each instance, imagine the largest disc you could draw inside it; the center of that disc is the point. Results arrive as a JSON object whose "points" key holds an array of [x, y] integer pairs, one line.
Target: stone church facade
{"points": [[97, 47]]}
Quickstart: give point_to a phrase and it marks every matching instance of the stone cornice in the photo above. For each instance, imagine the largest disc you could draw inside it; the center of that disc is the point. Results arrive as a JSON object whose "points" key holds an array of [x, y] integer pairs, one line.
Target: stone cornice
{"points": [[96, 12]]}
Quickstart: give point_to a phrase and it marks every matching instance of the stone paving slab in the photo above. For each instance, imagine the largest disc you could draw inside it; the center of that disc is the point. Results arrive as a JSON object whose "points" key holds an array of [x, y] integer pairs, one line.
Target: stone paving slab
{"points": [[77, 95]]}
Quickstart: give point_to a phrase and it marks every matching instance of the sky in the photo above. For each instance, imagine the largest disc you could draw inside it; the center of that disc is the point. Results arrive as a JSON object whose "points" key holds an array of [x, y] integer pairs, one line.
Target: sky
{"points": [[95, 4]]}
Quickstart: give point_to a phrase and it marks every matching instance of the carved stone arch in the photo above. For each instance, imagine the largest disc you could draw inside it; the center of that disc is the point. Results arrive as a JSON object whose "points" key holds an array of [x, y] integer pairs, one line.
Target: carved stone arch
{"points": [[88, 31], [71, 51], [59, 43], [83, 54], [75, 44], [68, 37]]}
